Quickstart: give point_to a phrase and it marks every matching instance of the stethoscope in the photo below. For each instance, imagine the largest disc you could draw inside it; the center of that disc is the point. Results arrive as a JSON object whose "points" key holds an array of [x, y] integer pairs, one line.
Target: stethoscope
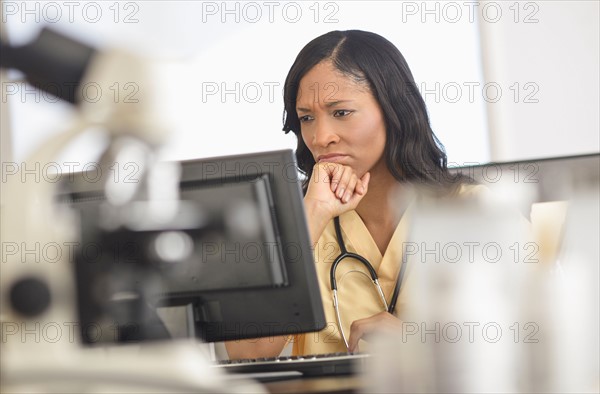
{"points": [[345, 254]]}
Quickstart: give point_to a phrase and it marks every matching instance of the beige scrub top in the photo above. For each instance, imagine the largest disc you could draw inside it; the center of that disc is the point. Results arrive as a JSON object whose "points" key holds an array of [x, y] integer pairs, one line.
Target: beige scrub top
{"points": [[357, 295]]}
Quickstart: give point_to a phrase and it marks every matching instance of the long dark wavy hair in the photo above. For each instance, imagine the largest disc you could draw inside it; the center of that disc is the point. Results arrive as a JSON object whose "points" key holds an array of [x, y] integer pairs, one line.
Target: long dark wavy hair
{"points": [[412, 151]]}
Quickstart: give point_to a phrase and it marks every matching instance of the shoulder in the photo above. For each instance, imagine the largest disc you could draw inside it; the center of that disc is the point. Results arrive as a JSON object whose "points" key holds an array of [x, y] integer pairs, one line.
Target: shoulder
{"points": [[487, 197], [455, 192], [467, 190]]}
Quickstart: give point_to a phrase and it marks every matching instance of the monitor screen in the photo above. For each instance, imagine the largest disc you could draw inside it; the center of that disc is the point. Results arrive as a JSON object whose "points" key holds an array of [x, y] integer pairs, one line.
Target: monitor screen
{"points": [[243, 266]]}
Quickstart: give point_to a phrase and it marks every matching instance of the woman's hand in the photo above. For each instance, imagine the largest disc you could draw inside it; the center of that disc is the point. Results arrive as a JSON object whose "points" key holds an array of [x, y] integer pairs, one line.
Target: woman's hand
{"points": [[381, 322], [332, 190]]}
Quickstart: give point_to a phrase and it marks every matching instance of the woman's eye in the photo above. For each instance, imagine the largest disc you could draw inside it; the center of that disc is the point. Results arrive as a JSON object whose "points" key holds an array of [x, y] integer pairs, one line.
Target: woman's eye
{"points": [[341, 112], [305, 118]]}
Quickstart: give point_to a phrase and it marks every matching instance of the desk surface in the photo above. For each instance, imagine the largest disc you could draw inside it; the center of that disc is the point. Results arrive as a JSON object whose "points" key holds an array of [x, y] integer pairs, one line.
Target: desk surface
{"points": [[328, 384]]}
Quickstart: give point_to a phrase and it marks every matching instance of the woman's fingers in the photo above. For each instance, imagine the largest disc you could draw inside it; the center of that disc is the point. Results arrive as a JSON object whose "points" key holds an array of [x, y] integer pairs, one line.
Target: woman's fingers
{"points": [[343, 188], [320, 200], [345, 183], [351, 188], [362, 186], [337, 187], [382, 321], [335, 172]]}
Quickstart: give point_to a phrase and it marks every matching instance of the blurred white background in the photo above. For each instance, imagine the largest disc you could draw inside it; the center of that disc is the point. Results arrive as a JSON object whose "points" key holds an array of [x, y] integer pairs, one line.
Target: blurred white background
{"points": [[502, 80]]}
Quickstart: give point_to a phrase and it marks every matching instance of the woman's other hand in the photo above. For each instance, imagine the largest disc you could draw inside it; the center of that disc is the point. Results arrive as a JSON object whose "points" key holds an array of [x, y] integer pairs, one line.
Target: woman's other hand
{"points": [[381, 322]]}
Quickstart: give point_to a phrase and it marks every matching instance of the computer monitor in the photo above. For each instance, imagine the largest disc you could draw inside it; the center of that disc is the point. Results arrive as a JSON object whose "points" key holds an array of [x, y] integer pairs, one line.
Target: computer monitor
{"points": [[248, 271], [553, 178]]}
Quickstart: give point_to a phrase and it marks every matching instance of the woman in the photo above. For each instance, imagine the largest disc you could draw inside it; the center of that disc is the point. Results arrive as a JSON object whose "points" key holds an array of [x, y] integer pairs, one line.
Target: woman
{"points": [[365, 145]]}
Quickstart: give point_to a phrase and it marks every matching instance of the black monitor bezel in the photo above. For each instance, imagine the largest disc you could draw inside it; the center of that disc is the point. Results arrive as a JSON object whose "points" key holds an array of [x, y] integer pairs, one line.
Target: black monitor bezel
{"points": [[223, 315]]}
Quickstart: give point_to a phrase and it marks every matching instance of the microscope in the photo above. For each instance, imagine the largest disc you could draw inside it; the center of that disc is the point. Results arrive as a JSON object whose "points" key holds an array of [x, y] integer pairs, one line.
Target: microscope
{"points": [[41, 271]]}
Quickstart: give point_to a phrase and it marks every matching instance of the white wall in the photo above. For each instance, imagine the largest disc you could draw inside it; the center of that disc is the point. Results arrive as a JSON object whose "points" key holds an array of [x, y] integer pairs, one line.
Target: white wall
{"points": [[198, 45], [557, 54], [453, 48]]}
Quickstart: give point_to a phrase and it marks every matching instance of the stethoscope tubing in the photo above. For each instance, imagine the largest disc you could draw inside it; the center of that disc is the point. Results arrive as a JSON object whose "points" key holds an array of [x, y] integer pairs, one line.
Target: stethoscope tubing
{"points": [[373, 274]]}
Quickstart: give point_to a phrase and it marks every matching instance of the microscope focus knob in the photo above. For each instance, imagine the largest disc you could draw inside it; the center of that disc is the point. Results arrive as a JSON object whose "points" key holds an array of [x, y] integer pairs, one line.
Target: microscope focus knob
{"points": [[30, 296]]}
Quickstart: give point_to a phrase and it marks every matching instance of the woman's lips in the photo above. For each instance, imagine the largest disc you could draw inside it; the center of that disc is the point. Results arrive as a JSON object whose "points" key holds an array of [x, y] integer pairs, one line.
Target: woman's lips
{"points": [[331, 158]]}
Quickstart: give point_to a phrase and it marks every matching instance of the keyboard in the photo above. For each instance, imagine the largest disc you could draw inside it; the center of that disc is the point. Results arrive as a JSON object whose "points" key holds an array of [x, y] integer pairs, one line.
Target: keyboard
{"points": [[308, 365]]}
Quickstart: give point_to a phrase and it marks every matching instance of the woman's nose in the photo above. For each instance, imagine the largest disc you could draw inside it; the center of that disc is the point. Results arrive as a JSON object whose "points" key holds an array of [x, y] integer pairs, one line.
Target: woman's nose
{"points": [[324, 134]]}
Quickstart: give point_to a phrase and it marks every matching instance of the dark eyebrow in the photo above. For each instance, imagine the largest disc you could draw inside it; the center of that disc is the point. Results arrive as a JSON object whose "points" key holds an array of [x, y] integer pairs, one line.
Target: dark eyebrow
{"points": [[328, 104], [334, 103]]}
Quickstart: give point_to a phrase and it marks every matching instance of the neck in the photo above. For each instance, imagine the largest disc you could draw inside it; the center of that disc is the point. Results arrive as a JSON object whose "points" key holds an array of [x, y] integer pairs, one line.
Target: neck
{"points": [[385, 202]]}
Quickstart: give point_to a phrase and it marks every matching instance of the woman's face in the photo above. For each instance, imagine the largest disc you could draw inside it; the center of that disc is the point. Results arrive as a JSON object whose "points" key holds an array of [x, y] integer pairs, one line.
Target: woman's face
{"points": [[340, 120]]}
